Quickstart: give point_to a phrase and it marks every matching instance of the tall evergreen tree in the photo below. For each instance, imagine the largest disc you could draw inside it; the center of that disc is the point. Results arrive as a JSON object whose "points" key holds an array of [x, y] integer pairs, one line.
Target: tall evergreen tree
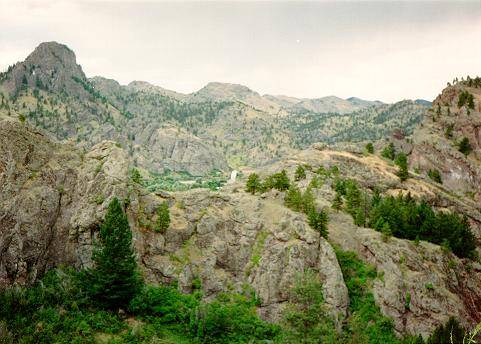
{"points": [[308, 201], [114, 280]]}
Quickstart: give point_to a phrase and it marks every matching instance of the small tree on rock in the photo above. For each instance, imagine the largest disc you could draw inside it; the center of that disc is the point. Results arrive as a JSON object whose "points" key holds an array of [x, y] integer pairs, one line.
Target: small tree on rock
{"points": [[464, 146], [337, 202], [253, 183], [318, 221], [163, 220], [370, 148]]}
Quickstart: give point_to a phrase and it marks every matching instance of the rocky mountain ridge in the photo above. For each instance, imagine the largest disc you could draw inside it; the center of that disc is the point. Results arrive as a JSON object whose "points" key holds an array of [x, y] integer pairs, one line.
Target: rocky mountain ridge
{"points": [[231, 123]]}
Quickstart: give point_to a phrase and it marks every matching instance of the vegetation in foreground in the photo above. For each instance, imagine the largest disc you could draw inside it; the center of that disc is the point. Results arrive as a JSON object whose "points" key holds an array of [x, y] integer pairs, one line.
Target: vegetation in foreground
{"points": [[109, 303]]}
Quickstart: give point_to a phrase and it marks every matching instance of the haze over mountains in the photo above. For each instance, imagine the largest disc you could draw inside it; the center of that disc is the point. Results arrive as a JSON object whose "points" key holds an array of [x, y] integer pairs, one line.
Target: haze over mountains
{"points": [[221, 126]]}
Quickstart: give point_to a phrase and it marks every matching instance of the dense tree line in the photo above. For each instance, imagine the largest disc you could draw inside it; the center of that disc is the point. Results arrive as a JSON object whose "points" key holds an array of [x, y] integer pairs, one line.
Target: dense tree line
{"points": [[405, 218]]}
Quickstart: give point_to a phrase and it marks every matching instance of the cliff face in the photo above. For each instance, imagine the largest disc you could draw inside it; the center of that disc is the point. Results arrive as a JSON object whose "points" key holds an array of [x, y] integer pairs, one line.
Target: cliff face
{"points": [[436, 141], [54, 196]]}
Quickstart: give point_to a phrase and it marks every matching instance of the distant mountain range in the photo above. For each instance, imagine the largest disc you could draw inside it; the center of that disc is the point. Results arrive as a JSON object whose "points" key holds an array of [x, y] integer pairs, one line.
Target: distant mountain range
{"points": [[221, 126]]}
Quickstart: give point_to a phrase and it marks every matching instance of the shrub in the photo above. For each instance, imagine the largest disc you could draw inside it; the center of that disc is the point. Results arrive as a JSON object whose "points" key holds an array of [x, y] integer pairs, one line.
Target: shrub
{"points": [[230, 319], [306, 317], [435, 176]]}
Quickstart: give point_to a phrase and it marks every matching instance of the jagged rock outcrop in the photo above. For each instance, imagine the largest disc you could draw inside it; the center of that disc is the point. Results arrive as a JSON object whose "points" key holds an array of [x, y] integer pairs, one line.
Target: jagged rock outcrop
{"points": [[419, 285], [435, 142], [53, 197], [51, 66], [229, 240]]}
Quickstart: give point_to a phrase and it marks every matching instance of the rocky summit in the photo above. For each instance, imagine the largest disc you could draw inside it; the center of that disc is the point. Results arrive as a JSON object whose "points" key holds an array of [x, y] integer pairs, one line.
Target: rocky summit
{"points": [[320, 188]]}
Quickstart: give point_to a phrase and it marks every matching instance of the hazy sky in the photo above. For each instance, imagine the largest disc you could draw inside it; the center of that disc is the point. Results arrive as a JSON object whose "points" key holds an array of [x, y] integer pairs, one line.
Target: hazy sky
{"points": [[374, 50]]}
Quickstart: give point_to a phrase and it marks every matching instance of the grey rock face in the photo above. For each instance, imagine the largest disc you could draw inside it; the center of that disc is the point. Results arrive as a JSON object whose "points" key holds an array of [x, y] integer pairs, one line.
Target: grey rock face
{"points": [[174, 149], [53, 198], [420, 285], [50, 66]]}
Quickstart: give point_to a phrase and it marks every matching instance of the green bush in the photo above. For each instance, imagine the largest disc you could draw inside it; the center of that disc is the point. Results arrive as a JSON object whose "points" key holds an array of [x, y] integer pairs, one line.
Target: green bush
{"points": [[366, 322], [305, 318], [230, 319], [435, 176], [165, 303]]}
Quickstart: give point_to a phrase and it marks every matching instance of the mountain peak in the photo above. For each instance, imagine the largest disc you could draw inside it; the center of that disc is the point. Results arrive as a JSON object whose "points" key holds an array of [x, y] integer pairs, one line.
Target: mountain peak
{"points": [[51, 66], [225, 91]]}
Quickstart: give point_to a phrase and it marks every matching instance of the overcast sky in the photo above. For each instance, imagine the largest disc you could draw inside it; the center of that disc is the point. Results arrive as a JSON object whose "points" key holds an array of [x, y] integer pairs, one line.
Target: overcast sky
{"points": [[374, 50]]}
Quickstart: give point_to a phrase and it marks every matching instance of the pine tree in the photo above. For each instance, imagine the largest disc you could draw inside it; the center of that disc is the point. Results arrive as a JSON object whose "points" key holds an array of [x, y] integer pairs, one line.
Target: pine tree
{"points": [[389, 152], [114, 280], [318, 221], [163, 217], [370, 148], [360, 218], [402, 163], [300, 173], [293, 198], [353, 197], [464, 146], [386, 231], [337, 202], [308, 201], [253, 183]]}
